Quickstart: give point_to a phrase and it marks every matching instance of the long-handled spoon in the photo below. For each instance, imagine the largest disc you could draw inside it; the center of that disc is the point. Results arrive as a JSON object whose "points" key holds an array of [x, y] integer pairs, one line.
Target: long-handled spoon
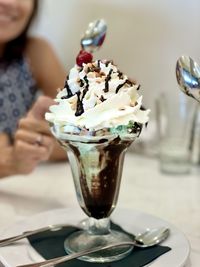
{"points": [[147, 239], [188, 76], [94, 35], [52, 227], [91, 41]]}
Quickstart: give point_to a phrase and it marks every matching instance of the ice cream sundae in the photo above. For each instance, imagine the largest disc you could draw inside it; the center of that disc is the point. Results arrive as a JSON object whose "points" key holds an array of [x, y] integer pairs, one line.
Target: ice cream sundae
{"points": [[97, 115], [98, 101]]}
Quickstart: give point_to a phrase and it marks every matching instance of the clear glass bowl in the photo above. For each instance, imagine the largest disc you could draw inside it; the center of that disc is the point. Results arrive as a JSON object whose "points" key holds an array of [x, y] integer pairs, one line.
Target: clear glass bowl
{"points": [[96, 160]]}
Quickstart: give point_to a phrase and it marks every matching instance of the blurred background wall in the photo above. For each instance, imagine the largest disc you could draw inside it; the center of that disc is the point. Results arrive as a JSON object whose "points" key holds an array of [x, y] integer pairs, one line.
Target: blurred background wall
{"points": [[145, 37]]}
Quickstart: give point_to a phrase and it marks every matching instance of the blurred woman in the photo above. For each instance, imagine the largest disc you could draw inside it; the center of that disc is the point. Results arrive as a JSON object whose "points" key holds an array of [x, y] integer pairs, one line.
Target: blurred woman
{"points": [[26, 65]]}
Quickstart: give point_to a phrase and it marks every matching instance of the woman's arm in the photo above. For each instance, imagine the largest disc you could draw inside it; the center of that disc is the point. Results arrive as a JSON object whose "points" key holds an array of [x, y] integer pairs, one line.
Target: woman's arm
{"points": [[49, 75], [45, 65]]}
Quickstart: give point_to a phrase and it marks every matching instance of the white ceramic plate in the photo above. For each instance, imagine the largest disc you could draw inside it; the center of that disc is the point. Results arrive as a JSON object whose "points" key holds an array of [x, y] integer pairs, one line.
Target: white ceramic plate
{"points": [[132, 221]]}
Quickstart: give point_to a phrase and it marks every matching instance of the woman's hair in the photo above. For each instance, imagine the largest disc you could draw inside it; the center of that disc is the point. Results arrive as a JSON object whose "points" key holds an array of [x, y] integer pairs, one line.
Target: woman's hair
{"points": [[15, 48]]}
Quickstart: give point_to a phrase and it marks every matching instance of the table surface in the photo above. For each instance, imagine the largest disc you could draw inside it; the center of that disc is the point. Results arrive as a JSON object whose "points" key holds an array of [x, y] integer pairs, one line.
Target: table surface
{"points": [[174, 198]]}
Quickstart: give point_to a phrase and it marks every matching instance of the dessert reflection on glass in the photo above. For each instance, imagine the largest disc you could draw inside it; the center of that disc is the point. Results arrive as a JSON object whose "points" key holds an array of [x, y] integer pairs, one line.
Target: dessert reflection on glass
{"points": [[97, 116]]}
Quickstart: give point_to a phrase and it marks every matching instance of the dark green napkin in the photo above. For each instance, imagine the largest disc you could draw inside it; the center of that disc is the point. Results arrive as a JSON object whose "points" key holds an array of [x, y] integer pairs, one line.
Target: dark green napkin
{"points": [[50, 245]]}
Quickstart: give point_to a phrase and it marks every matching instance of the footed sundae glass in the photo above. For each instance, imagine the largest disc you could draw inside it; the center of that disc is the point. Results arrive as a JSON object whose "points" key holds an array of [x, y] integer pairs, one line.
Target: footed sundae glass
{"points": [[96, 159]]}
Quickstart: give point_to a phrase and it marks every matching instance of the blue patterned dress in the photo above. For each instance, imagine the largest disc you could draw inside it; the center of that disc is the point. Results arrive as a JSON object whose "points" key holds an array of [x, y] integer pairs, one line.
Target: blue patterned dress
{"points": [[17, 93]]}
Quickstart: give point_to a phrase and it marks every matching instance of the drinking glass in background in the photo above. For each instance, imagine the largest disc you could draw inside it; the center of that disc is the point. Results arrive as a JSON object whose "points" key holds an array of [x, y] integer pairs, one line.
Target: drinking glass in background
{"points": [[176, 121]]}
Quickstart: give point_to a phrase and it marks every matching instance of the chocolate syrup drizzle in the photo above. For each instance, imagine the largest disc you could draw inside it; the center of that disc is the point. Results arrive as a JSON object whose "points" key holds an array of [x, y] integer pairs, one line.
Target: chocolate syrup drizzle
{"points": [[120, 75], [108, 78], [108, 62], [69, 92], [85, 83], [79, 106], [81, 83], [102, 98], [120, 86]]}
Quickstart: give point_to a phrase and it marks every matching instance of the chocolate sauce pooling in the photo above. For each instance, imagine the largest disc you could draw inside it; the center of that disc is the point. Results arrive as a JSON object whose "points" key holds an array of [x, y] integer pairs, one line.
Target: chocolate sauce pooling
{"points": [[100, 190]]}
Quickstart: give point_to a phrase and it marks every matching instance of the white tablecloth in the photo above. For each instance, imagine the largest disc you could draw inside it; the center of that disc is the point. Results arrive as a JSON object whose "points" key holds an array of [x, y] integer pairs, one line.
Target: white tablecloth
{"points": [[175, 199]]}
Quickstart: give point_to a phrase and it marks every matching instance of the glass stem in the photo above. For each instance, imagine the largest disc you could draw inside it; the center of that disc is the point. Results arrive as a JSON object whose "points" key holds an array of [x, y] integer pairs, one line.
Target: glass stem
{"points": [[99, 227]]}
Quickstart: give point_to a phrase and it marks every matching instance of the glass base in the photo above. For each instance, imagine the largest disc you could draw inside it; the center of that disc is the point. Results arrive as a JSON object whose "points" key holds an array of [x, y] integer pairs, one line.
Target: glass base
{"points": [[84, 240]]}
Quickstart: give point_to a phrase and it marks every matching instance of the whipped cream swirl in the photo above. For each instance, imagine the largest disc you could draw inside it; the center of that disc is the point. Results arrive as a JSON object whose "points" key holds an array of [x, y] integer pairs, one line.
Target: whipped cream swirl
{"points": [[98, 96]]}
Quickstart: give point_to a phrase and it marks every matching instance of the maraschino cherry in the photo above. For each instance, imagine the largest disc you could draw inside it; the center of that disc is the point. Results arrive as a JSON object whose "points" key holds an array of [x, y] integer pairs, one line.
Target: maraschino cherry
{"points": [[83, 57]]}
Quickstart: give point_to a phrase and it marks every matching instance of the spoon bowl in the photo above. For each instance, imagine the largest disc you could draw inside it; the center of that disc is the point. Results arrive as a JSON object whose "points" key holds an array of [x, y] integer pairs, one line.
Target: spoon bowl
{"points": [[94, 36], [146, 239], [188, 76], [151, 237]]}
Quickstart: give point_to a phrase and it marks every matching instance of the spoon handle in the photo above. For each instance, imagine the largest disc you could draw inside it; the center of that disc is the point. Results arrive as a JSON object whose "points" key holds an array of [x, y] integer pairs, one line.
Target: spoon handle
{"points": [[10, 240], [55, 261]]}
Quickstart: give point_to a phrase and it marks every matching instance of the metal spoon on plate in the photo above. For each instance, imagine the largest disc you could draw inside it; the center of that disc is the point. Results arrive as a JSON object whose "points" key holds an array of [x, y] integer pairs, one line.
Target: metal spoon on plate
{"points": [[51, 227], [147, 239]]}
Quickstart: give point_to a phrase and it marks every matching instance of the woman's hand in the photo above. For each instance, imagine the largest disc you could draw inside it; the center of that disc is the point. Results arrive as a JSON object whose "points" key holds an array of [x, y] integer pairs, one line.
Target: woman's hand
{"points": [[4, 140], [35, 122], [34, 136], [29, 151], [33, 142]]}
